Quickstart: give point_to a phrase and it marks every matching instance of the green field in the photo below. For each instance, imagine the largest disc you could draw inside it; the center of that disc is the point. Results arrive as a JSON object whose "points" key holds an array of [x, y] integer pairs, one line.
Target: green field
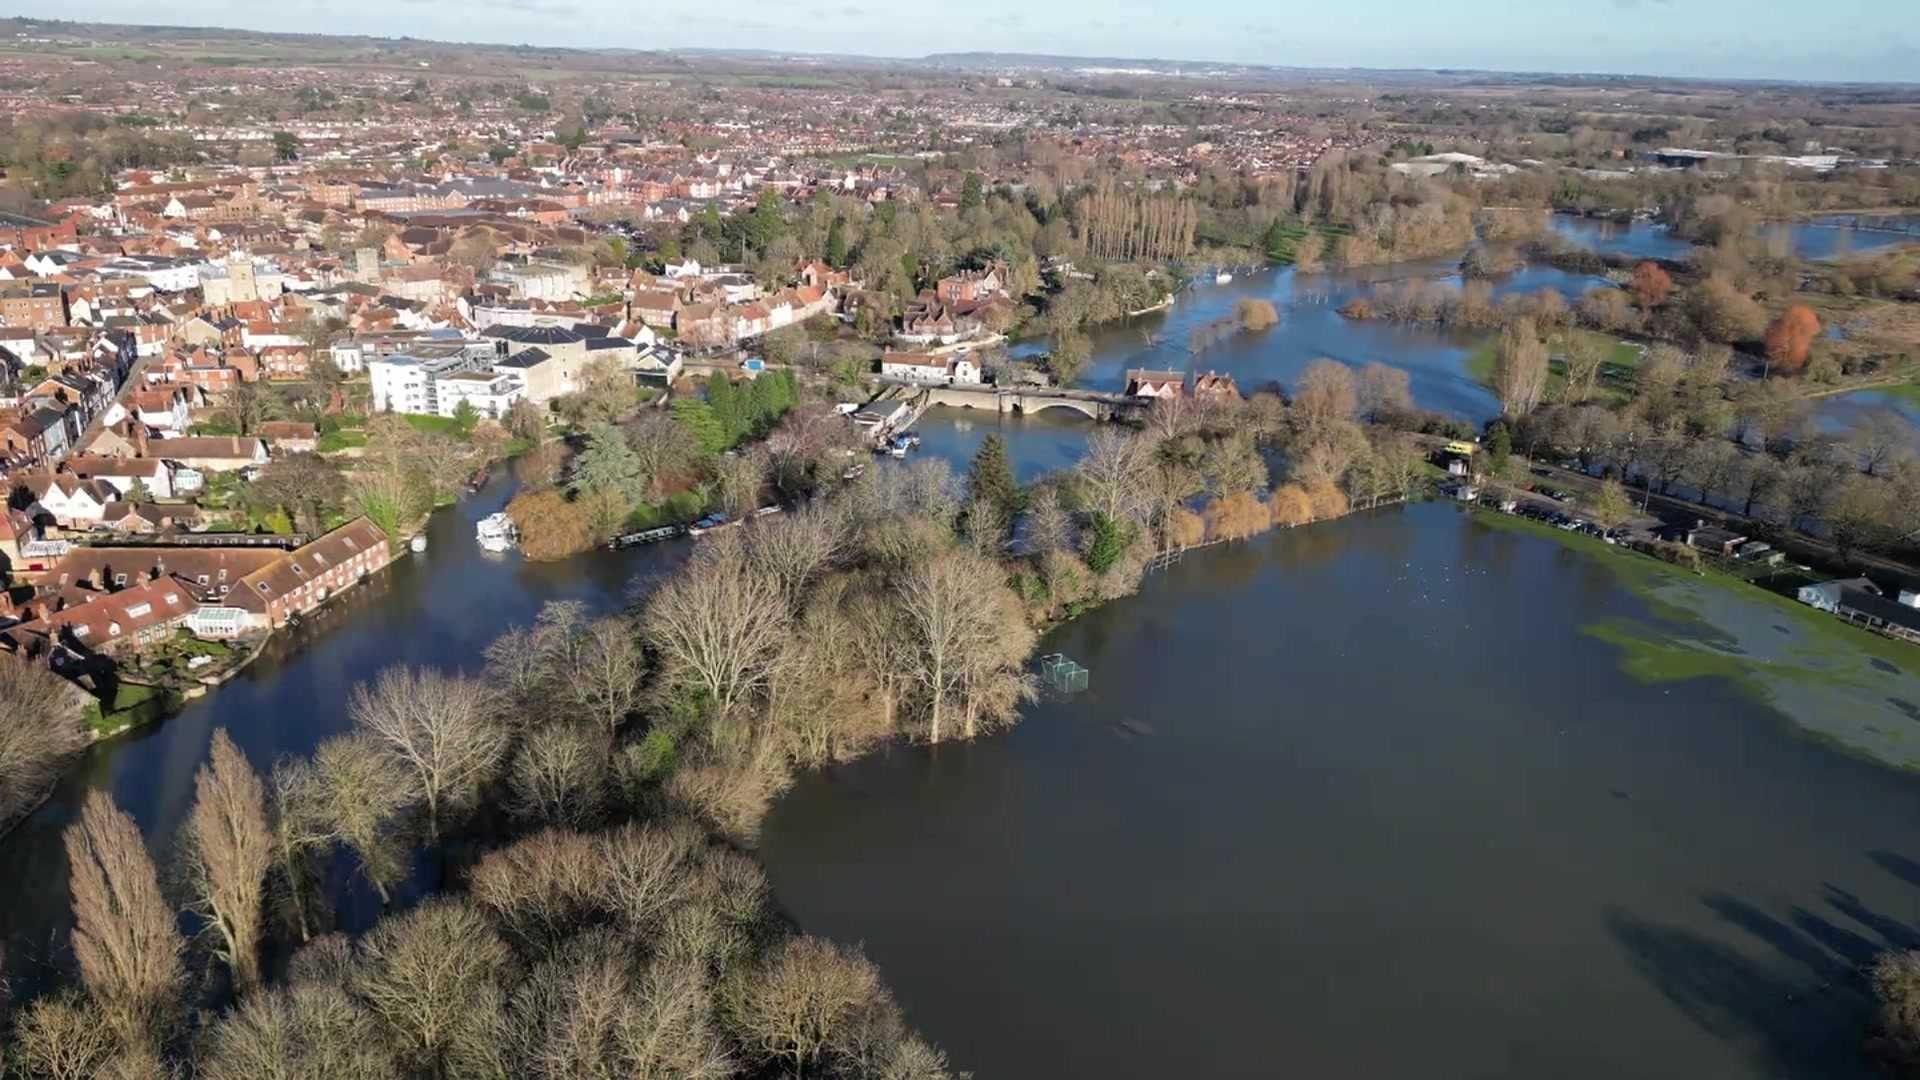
{"points": [[1616, 372]]}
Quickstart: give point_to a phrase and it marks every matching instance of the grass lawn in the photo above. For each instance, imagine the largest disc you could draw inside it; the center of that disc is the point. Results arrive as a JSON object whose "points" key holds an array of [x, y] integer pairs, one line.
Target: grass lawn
{"points": [[441, 425], [1616, 371], [133, 705], [346, 438], [1295, 233]]}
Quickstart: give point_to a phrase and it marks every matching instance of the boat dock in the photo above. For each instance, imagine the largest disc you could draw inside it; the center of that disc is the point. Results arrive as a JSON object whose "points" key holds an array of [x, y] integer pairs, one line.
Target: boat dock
{"points": [[646, 536]]}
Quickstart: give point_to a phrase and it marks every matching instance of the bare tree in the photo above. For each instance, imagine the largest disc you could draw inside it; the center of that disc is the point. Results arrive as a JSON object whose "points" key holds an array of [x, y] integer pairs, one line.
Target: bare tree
{"points": [[228, 851], [41, 732], [1111, 474], [822, 699], [1383, 391], [433, 978], [1584, 357], [667, 1030], [1171, 417], [1520, 368], [662, 445], [1049, 528], [646, 870], [560, 775], [1326, 393], [363, 792], [606, 677], [586, 1013], [302, 830], [718, 624], [951, 609], [529, 663], [987, 527], [124, 936], [307, 1031], [804, 999], [441, 728], [542, 888], [738, 481], [795, 549], [61, 1038], [1882, 441], [881, 639]]}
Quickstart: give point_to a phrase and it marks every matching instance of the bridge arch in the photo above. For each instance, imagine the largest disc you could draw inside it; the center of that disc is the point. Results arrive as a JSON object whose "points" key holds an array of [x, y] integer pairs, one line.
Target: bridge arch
{"points": [[1090, 409]]}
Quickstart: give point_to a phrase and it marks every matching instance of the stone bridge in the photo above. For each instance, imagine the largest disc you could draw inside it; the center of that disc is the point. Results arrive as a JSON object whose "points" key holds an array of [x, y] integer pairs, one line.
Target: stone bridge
{"points": [[1089, 403]]}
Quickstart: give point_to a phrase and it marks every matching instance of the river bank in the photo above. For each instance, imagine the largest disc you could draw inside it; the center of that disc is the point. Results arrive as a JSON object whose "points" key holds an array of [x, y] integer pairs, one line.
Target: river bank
{"points": [[1322, 780], [1369, 773], [1858, 689], [439, 610]]}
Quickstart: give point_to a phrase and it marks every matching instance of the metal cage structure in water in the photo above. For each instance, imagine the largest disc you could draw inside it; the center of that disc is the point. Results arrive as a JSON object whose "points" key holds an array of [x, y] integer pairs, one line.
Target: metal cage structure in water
{"points": [[1061, 674]]}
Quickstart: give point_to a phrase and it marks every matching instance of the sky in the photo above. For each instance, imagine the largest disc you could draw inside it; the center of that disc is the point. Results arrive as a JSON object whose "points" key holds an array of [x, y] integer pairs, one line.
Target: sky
{"points": [[1833, 40]]}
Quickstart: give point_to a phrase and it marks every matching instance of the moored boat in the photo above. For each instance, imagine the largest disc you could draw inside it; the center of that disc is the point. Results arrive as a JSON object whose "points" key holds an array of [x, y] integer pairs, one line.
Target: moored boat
{"points": [[496, 532]]}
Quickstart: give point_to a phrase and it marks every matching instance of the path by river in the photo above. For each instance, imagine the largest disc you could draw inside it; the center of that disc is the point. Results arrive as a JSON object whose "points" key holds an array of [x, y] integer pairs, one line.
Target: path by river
{"points": [[1363, 799]]}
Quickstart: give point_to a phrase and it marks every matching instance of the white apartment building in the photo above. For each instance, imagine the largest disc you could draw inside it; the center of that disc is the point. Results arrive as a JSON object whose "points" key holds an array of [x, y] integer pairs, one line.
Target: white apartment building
{"points": [[490, 394], [408, 384]]}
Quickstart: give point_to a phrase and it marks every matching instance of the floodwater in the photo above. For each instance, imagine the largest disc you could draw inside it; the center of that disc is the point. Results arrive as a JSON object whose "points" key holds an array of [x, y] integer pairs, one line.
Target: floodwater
{"points": [[437, 609], [1841, 414], [1310, 329], [1636, 239], [1363, 799], [1048, 441], [1834, 236], [1828, 236]]}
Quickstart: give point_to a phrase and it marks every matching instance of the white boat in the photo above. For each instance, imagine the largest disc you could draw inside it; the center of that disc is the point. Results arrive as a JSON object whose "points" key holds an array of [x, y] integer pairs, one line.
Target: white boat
{"points": [[418, 544], [1222, 278], [496, 532]]}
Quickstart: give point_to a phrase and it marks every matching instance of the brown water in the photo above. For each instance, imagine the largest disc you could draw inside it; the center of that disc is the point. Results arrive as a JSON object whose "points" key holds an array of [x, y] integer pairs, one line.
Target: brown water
{"points": [[1361, 799]]}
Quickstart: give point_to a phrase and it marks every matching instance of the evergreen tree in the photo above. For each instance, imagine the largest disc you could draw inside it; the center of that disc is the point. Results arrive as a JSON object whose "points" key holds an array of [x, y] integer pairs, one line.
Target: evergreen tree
{"points": [[765, 224], [1499, 444], [837, 244], [729, 409], [609, 465], [1107, 540], [991, 478], [971, 194], [702, 425]]}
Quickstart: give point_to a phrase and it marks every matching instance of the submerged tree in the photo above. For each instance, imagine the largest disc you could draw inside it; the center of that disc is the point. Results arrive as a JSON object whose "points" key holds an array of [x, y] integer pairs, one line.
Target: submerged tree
{"points": [[718, 624], [363, 792], [440, 729], [124, 936], [1520, 368], [228, 852]]}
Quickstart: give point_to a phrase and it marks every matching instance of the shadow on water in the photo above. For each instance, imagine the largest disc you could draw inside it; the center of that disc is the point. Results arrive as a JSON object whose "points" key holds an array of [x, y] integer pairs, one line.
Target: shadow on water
{"points": [[1804, 1003]]}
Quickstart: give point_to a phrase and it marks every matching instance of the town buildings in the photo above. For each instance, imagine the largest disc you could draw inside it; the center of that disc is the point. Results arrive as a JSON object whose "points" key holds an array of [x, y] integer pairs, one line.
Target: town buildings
{"points": [[109, 600]]}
